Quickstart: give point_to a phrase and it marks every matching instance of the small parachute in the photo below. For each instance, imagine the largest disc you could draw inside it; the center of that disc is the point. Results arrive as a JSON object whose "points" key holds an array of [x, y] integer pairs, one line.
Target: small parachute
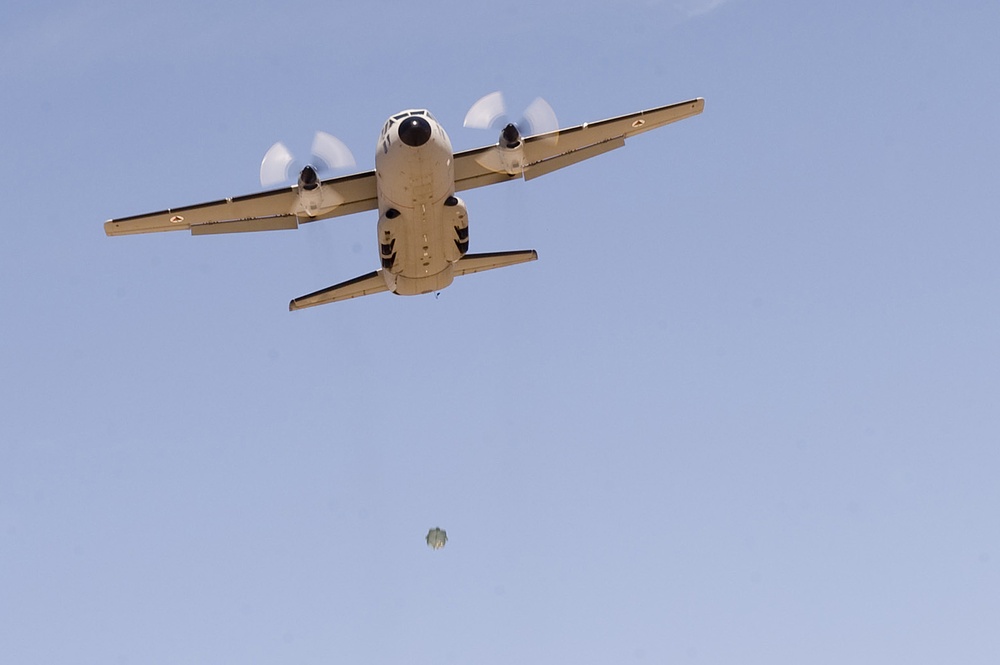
{"points": [[436, 538]]}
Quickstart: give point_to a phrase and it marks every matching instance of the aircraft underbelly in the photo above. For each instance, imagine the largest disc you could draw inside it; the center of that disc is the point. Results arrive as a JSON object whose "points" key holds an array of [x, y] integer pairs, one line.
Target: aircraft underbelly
{"points": [[415, 183]]}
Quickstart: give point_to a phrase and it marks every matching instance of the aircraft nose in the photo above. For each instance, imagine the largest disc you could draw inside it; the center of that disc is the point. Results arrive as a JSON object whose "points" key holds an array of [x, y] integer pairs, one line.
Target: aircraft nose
{"points": [[414, 131]]}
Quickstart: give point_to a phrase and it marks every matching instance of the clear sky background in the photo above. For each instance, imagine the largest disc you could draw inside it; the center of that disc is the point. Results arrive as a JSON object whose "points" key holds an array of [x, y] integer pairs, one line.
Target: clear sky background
{"points": [[744, 409]]}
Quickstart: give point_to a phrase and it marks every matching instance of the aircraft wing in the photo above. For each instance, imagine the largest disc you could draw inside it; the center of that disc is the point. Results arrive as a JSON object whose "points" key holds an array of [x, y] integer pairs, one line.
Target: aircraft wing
{"points": [[280, 208], [266, 211], [544, 153]]}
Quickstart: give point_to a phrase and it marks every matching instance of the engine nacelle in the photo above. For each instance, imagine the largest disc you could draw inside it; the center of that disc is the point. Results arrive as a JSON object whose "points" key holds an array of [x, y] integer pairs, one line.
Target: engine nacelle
{"points": [[511, 150], [310, 189]]}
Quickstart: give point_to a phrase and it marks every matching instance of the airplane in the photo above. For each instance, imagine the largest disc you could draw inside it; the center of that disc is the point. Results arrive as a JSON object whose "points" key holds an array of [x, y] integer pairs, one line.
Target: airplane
{"points": [[423, 227]]}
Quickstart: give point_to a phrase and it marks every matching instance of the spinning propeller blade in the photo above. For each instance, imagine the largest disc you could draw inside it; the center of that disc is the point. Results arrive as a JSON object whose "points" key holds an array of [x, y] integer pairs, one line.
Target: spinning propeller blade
{"points": [[328, 153], [490, 112], [486, 111], [539, 117], [332, 152], [274, 166]]}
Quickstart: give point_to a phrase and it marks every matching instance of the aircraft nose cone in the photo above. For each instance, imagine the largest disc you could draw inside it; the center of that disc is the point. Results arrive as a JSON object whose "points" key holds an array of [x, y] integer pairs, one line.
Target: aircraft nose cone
{"points": [[414, 131]]}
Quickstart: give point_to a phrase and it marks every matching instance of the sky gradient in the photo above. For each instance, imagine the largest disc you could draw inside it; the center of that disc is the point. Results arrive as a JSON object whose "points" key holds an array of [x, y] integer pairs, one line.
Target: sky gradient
{"points": [[744, 407]]}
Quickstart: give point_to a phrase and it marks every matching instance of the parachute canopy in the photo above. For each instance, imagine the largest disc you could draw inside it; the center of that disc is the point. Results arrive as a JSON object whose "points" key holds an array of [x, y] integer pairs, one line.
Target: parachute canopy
{"points": [[436, 538]]}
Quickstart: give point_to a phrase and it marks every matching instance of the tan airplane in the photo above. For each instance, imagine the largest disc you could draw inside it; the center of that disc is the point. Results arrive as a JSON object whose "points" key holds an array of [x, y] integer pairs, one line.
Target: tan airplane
{"points": [[423, 228]]}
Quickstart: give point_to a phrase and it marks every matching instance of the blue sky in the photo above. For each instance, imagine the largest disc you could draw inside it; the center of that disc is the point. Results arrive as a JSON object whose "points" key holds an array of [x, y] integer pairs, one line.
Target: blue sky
{"points": [[743, 409]]}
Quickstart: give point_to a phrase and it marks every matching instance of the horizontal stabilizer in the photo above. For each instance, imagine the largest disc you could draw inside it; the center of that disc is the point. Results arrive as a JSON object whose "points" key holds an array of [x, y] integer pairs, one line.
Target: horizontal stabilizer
{"points": [[365, 285], [471, 263], [374, 282]]}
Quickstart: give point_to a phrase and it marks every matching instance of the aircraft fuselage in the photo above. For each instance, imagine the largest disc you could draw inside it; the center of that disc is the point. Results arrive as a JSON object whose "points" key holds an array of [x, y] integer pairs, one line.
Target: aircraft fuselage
{"points": [[423, 228]]}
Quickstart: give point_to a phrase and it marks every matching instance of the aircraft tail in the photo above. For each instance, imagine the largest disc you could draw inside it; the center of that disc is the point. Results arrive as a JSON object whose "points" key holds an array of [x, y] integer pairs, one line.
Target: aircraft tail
{"points": [[365, 285], [374, 282], [471, 263]]}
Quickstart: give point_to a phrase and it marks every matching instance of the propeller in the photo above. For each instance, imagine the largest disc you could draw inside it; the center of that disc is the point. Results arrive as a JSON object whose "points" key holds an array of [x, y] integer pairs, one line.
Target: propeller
{"points": [[490, 112], [328, 153]]}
